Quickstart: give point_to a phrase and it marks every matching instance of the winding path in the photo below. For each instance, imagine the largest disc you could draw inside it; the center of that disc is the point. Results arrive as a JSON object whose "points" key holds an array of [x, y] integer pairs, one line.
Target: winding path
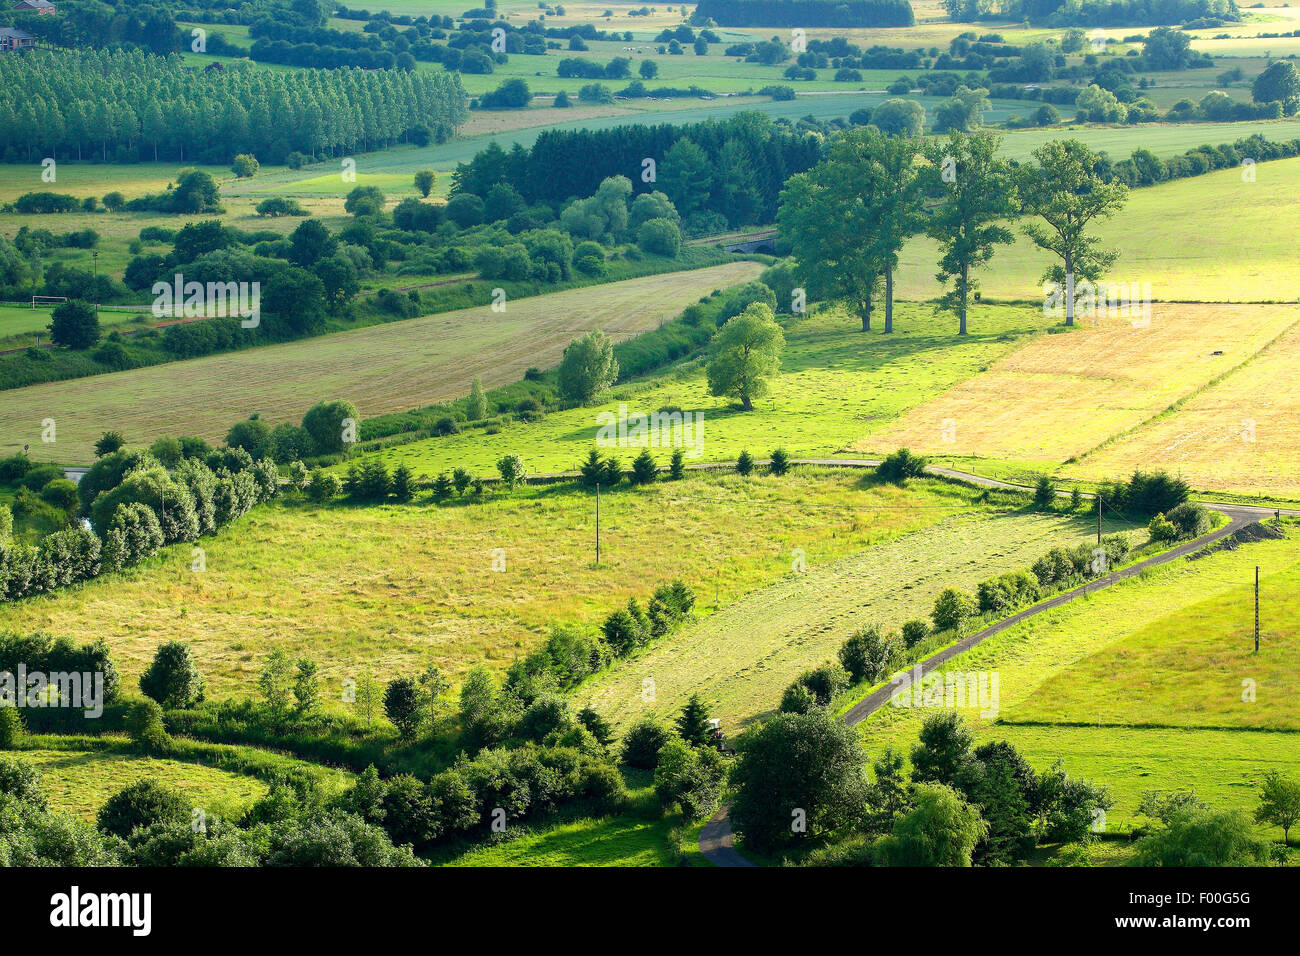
{"points": [[717, 842]]}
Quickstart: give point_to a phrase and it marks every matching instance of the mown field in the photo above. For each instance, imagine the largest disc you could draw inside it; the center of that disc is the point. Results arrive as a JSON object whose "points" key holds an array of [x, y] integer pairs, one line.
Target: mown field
{"points": [[741, 659], [393, 588], [384, 368], [80, 781], [836, 384], [1139, 686], [1061, 396], [1241, 434]]}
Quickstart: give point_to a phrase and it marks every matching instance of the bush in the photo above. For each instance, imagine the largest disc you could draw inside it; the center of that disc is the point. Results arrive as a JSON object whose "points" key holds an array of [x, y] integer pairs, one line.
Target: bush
{"points": [[914, 632], [1162, 529], [1044, 491], [1007, 592], [173, 679], [869, 655], [642, 743], [745, 463], [144, 724], [1191, 519], [142, 805], [780, 462], [951, 608], [900, 466]]}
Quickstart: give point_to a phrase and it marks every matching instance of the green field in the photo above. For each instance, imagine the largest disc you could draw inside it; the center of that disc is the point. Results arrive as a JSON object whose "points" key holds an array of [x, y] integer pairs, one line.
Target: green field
{"points": [[837, 383], [80, 781], [1140, 687]]}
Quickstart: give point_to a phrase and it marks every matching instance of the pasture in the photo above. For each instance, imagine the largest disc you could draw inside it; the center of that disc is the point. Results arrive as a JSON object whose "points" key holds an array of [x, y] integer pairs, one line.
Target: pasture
{"points": [[384, 368], [741, 659], [79, 781], [837, 383]]}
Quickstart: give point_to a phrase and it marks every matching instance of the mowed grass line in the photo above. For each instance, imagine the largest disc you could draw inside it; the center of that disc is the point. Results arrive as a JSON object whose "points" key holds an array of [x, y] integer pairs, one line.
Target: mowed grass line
{"points": [[741, 659], [604, 841], [80, 781], [1063, 395], [1242, 434], [835, 382], [1041, 656], [384, 368], [394, 588]]}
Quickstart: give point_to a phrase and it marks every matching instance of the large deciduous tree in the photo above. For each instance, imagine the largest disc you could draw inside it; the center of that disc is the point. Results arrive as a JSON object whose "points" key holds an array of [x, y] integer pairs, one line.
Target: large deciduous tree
{"points": [[847, 219], [1066, 192], [978, 195], [746, 353]]}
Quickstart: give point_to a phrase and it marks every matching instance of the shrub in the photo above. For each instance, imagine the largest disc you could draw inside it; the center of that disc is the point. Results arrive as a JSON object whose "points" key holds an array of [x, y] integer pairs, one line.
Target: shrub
{"points": [[1044, 491], [744, 463], [869, 655], [780, 462], [173, 679], [144, 724], [642, 743], [1162, 529], [914, 632], [1190, 518], [951, 608], [644, 471], [11, 729], [141, 805], [900, 466], [824, 682], [1007, 592], [324, 486]]}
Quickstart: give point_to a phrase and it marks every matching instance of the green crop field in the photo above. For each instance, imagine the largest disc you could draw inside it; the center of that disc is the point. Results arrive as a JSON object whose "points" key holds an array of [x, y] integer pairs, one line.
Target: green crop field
{"points": [[383, 368], [837, 383]]}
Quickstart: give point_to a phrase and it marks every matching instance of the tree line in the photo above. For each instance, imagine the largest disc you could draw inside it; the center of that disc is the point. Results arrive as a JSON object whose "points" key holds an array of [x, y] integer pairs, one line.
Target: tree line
{"points": [[130, 106], [848, 219], [732, 168]]}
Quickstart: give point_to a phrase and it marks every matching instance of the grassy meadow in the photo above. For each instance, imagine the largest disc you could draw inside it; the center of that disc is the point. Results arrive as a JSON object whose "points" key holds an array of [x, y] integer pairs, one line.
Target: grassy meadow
{"points": [[837, 383], [741, 659], [79, 781], [393, 588]]}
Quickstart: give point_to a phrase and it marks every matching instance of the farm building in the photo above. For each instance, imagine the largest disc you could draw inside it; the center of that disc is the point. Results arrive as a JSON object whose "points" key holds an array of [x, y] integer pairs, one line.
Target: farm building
{"points": [[40, 7], [11, 39]]}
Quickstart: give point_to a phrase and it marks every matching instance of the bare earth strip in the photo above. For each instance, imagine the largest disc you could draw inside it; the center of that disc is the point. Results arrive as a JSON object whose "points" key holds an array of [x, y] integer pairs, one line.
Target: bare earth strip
{"points": [[386, 368], [741, 658], [1063, 395]]}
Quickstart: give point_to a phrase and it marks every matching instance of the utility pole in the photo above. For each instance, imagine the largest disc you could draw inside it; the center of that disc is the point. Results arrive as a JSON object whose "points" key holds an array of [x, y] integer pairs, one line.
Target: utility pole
{"points": [[598, 522], [1099, 519], [1257, 609]]}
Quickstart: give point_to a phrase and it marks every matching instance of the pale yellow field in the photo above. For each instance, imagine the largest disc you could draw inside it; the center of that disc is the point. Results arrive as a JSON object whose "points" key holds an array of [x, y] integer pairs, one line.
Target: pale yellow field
{"points": [[384, 368], [1063, 395], [1241, 434]]}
